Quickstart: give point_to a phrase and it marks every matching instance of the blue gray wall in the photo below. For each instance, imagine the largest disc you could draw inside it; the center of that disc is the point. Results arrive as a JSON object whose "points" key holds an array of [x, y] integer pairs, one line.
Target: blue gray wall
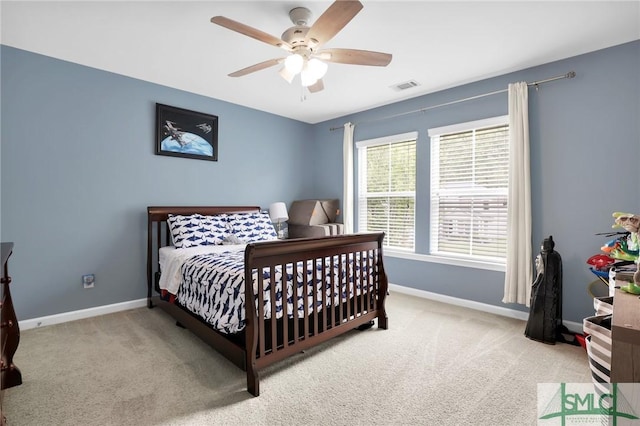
{"points": [[78, 170], [585, 159]]}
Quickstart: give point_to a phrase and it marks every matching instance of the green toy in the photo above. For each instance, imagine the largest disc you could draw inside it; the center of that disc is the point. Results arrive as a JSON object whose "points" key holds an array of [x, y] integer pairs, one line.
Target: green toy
{"points": [[631, 223], [631, 288]]}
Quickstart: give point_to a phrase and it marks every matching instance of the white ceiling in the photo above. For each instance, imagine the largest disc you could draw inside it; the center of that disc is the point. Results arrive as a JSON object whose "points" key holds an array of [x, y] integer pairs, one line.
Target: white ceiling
{"points": [[438, 44]]}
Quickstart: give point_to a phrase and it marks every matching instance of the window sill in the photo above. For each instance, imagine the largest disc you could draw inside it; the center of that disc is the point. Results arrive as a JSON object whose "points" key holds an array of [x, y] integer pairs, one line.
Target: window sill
{"points": [[466, 263]]}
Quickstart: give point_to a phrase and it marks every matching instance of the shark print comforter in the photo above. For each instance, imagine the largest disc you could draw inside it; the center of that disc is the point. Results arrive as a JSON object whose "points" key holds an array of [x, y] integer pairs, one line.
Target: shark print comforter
{"points": [[213, 286]]}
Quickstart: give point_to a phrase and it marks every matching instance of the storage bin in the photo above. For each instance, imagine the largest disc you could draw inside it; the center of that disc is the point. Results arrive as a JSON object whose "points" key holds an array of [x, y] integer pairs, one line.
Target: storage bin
{"points": [[603, 305], [600, 367], [598, 341]]}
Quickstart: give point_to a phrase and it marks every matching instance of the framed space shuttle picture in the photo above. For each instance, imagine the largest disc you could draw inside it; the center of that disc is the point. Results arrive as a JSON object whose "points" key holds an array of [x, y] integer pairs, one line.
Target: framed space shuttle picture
{"points": [[184, 133]]}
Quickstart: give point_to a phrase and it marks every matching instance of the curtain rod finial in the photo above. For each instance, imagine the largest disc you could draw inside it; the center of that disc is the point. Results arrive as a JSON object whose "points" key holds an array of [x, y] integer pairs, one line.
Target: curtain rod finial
{"points": [[571, 74]]}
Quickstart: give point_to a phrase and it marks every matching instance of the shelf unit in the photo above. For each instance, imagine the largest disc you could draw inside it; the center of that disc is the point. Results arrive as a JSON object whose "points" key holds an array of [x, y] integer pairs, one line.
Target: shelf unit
{"points": [[625, 337]]}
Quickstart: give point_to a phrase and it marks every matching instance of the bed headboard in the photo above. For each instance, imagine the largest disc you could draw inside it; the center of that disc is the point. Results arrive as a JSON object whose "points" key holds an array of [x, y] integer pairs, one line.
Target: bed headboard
{"points": [[157, 229], [160, 214]]}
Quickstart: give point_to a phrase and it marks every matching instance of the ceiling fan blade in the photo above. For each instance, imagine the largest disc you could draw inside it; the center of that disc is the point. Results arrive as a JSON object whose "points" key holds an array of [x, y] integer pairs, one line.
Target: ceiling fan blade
{"points": [[256, 67], [333, 20], [316, 87], [251, 32], [355, 57]]}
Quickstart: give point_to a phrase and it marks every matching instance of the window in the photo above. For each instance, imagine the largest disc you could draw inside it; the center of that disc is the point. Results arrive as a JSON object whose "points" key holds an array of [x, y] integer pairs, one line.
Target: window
{"points": [[387, 188], [469, 186]]}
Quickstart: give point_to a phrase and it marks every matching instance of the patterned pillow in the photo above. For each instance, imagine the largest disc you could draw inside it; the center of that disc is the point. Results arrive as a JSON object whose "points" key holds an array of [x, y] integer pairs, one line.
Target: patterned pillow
{"points": [[197, 230], [252, 227]]}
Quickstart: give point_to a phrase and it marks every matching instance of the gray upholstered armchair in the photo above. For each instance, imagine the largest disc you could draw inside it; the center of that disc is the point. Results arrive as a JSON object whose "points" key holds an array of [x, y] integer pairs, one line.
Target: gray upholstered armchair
{"points": [[314, 218]]}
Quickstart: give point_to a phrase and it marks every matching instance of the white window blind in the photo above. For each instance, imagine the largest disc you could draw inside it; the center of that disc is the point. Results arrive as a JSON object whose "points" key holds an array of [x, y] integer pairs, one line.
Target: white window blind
{"points": [[469, 186], [387, 188]]}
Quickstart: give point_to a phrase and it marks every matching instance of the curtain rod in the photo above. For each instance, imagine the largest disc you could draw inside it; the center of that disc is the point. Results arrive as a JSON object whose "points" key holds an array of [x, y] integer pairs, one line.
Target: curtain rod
{"points": [[570, 74]]}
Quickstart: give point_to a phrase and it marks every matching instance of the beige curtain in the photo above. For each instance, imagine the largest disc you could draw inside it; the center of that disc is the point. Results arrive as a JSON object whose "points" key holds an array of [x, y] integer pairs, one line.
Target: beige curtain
{"points": [[519, 272], [347, 194]]}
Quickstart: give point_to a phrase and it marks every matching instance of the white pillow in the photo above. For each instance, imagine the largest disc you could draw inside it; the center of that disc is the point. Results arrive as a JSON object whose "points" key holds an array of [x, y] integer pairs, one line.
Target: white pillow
{"points": [[197, 230], [252, 227]]}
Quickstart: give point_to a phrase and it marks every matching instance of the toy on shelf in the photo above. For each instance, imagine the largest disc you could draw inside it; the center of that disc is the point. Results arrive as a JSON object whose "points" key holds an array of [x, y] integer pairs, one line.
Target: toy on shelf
{"points": [[600, 265], [631, 223], [620, 248], [600, 261]]}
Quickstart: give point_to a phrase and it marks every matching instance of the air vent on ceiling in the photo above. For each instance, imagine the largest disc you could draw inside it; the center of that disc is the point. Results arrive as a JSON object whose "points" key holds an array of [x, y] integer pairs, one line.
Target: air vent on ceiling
{"points": [[406, 85]]}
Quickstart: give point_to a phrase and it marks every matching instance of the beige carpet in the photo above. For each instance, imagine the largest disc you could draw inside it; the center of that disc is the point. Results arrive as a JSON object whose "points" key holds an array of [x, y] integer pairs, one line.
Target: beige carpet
{"points": [[437, 364]]}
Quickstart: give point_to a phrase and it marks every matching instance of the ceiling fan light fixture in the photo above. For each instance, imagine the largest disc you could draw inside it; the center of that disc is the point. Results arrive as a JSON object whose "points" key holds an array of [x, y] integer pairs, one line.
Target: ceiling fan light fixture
{"points": [[307, 78], [294, 64], [317, 68], [286, 74]]}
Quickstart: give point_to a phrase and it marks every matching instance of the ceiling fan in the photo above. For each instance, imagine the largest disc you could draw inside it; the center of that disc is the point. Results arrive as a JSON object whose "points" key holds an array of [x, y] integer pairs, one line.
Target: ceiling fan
{"points": [[304, 43]]}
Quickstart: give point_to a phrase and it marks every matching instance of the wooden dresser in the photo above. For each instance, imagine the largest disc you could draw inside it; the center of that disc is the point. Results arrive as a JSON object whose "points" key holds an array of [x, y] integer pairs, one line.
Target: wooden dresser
{"points": [[10, 374], [625, 336]]}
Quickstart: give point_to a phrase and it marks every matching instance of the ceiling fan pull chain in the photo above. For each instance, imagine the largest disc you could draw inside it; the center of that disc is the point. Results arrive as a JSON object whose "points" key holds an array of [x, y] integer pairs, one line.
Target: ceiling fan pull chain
{"points": [[303, 94]]}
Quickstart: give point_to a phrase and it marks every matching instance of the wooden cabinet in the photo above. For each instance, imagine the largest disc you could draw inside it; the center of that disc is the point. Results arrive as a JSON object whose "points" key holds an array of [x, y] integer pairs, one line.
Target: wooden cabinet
{"points": [[625, 337], [10, 333]]}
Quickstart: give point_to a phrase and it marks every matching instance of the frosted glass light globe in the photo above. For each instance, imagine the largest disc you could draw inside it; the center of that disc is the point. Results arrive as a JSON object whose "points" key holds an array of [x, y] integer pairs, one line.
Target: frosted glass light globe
{"points": [[294, 63], [317, 68], [307, 78]]}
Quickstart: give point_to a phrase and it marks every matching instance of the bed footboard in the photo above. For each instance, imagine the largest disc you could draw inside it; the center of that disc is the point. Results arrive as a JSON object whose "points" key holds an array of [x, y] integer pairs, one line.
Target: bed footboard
{"points": [[340, 281]]}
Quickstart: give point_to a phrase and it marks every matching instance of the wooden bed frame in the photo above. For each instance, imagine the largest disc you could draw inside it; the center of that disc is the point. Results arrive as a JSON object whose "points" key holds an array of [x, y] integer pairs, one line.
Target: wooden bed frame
{"points": [[263, 341]]}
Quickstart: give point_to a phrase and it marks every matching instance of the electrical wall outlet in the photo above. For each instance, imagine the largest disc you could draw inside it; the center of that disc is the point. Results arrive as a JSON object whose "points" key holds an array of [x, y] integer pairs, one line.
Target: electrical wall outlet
{"points": [[88, 281]]}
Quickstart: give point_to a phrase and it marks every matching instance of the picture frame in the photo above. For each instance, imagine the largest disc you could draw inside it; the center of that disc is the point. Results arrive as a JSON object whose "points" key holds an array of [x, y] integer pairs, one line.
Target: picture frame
{"points": [[184, 133]]}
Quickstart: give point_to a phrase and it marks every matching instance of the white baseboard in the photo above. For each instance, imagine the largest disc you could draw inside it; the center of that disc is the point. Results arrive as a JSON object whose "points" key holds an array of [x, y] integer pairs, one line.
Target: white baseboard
{"points": [[81, 314], [117, 307], [492, 309]]}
